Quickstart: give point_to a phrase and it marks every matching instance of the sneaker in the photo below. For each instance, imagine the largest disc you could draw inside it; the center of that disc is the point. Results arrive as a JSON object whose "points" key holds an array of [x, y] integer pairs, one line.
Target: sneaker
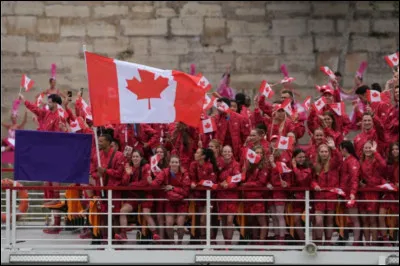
{"points": [[52, 231]]}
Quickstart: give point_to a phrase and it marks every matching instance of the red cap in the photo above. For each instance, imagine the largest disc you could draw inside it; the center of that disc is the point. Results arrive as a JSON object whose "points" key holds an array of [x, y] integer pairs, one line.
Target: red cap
{"points": [[273, 137], [276, 107], [327, 90]]}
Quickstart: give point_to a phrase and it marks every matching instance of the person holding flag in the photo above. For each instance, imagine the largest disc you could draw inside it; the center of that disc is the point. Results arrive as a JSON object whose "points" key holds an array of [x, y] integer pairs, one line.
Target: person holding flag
{"points": [[8, 143], [392, 121]]}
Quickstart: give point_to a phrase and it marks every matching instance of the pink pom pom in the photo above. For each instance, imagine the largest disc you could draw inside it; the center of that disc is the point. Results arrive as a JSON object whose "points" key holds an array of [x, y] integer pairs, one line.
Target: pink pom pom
{"points": [[192, 69], [15, 106], [284, 70], [362, 68], [53, 71]]}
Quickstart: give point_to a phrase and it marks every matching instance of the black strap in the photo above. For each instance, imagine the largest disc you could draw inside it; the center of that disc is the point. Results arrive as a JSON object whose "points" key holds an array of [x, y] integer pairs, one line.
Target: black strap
{"points": [[109, 166]]}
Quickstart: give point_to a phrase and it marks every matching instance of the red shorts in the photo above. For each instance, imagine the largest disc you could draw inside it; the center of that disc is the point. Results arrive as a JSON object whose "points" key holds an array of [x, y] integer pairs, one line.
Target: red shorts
{"points": [[228, 207], [325, 206], [254, 207], [372, 205], [177, 207]]}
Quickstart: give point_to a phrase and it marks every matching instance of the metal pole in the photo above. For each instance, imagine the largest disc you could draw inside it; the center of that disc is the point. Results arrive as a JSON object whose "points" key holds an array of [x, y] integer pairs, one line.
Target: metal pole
{"points": [[8, 216], [208, 219], [307, 217], [14, 218], [109, 218]]}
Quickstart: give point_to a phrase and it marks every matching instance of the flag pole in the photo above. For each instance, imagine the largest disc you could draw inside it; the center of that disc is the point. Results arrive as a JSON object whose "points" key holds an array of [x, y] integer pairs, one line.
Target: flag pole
{"points": [[96, 139]]}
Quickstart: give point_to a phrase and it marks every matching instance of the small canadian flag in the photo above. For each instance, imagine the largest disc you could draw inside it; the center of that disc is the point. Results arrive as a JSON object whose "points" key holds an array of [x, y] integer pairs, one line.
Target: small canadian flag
{"points": [[75, 126], [307, 103], [252, 156], [266, 90], [26, 82], [282, 168], [235, 179], [154, 163], [222, 106], [319, 104], [338, 108], [208, 125], [287, 80], [393, 59], [328, 72], [86, 109], [338, 191], [204, 83], [284, 143], [208, 183], [388, 186], [208, 102], [61, 111], [287, 106], [373, 96], [39, 100]]}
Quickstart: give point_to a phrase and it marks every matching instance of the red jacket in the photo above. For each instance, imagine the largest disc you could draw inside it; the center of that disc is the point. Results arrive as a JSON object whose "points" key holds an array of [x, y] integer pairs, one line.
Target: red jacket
{"points": [[126, 136], [180, 182], [199, 173], [48, 120], [256, 178], [275, 177], [328, 179], [350, 175], [377, 134], [372, 171], [238, 128], [343, 123], [392, 125], [226, 170], [115, 172], [381, 109], [302, 178], [289, 126]]}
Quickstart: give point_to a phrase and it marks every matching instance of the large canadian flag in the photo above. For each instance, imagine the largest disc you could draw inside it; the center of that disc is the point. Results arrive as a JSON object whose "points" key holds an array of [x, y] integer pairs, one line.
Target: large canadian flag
{"points": [[393, 59], [266, 90], [26, 83], [208, 125], [284, 143], [373, 96], [122, 92]]}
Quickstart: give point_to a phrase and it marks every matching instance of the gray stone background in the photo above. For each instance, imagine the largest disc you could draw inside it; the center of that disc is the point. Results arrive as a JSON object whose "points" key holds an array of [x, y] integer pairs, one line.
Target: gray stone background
{"points": [[255, 38]]}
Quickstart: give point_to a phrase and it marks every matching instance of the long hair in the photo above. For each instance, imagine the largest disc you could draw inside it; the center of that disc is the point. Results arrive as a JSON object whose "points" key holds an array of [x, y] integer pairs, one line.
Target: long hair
{"points": [[262, 163], [320, 165], [142, 162], [330, 114], [363, 157], [217, 144], [307, 163], [163, 163], [391, 159], [209, 157], [186, 138], [181, 170], [348, 145]]}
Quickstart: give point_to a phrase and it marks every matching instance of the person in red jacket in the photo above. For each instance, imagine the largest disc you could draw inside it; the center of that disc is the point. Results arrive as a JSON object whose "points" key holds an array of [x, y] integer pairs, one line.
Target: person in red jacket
{"points": [[203, 169], [176, 183], [256, 177], [137, 137], [111, 170], [326, 176], [233, 129], [302, 173], [372, 167], [392, 121], [392, 176], [137, 174], [317, 138], [327, 121], [371, 130], [229, 167], [256, 138], [349, 179]]}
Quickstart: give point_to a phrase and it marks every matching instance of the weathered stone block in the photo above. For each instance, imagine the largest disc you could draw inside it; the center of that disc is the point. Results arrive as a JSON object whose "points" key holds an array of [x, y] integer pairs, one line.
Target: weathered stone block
{"points": [[243, 28], [222, 60], [321, 25], [100, 29], [3, 25], [111, 46], [151, 27], [290, 7], [60, 48], [29, 8], [67, 11], [252, 11], [289, 27], [266, 45], [48, 25], [161, 46], [16, 44], [7, 7], [196, 9], [299, 62], [353, 61], [330, 8], [165, 12], [371, 44], [163, 62], [327, 43], [203, 61], [298, 45], [357, 26], [143, 12], [73, 31], [17, 25], [187, 26], [386, 25], [256, 63], [380, 5], [214, 31], [25, 63], [109, 11]]}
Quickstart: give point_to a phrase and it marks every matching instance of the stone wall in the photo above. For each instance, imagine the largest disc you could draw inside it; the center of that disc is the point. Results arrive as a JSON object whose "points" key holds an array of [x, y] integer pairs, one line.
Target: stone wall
{"points": [[255, 38]]}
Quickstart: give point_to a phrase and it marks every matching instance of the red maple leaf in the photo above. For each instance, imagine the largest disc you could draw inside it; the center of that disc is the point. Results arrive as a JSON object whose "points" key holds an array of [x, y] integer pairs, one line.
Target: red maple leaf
{"points": [[394, 59], [154, 161], [88, 111], [74, 124], [319, 103], [375, 94], [148, 87], [208, 125], [283, 142], [250, 155], [329, 72]]}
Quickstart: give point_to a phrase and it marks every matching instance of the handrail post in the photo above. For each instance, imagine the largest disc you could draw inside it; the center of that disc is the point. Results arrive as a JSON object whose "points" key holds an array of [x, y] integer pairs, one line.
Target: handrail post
{"points": [[8, 217], [307, 231], [13, 219], [109, 220], [208, 219]]}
